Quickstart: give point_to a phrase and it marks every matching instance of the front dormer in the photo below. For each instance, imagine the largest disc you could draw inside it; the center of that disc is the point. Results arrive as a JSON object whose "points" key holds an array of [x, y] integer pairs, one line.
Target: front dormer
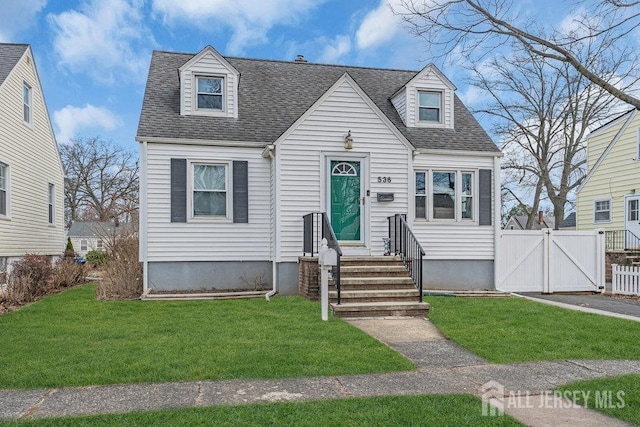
{"points": [[208, 86], [426, 100]]}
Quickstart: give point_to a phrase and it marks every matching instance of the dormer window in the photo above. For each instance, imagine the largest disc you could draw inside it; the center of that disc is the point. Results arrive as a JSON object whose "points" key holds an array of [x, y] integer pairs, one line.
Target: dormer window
{"points": [[209, 93], [430, 107]]}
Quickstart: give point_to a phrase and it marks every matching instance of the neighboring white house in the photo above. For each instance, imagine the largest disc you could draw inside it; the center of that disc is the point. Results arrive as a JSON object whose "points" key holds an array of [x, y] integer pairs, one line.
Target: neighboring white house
{"points": [[95, 236], [31, 173], [234, 152]]}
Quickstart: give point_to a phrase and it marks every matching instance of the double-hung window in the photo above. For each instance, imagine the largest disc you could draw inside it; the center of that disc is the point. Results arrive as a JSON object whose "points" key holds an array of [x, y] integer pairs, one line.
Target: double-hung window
{"points": [[4, 184], [445, 195], [83, 245], [602, 210], [430, 107], [26, 103], [210, 183], [210, 93], [52, 197]]}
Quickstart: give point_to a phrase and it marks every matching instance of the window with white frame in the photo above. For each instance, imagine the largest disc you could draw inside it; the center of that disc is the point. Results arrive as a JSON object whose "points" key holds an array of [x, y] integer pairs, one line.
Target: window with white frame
{"points": [[452, 195], [602, 210], [421, 195], [466, 195], [429, 106], [4, 188], [209, 93], [52, 198], [99, 244], [26, 102], [210, 190], [83, 245], [632, 210]]}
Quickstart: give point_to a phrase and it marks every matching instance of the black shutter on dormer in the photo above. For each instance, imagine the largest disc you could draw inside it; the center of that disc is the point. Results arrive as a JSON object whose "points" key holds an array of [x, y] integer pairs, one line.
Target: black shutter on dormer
{"points": [[178, 190], [484, 185], [240, 192]]}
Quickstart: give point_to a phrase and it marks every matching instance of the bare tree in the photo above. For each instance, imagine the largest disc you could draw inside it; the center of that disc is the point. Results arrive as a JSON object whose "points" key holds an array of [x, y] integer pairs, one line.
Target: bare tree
{"points": [[541, 111], [101, 180], [474, 27]]}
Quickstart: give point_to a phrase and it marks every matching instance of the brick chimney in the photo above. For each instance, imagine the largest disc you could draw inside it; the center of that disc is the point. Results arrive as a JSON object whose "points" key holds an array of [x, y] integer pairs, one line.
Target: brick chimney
{"points": [[540, 217]]}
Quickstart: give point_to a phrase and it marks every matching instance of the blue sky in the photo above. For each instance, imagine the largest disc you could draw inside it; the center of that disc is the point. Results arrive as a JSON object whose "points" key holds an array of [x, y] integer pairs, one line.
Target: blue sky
{"points": [[93, 55]]}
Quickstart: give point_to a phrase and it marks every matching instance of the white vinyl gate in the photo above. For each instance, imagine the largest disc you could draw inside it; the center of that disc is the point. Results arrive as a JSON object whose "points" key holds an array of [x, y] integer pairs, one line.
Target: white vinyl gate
{"points": [[551, 261]]}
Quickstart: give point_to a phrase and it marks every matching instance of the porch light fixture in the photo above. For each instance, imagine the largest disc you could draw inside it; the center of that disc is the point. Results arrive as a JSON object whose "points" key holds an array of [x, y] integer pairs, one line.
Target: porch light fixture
{"points": [[348, 141]]}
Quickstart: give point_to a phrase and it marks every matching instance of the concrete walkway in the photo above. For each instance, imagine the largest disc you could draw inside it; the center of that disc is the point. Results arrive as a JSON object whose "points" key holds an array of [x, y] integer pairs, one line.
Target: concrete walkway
{"points": [[443, 368], [622, 308]]}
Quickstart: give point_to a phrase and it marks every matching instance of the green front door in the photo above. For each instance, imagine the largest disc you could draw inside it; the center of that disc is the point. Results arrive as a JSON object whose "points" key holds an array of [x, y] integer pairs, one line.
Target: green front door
{"points": [[345, 199]]}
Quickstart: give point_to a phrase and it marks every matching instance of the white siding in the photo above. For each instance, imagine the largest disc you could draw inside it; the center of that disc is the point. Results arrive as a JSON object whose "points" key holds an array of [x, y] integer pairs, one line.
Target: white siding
{"points": [[206, 240], [455, 240], [28, 229], [400, 102], [208, 65], [429, 80], [302, 158]]}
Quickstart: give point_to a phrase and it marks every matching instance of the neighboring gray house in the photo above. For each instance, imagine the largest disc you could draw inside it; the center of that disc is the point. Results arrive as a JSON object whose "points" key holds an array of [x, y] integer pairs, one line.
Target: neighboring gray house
{"points": [[31, 173], [93, 235], [234, 151], [519, 222]]}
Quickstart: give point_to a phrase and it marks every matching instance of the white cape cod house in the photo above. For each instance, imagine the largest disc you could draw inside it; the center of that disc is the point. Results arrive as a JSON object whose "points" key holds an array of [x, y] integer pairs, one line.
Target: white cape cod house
{"points": [[31, 172], [234, 152]]}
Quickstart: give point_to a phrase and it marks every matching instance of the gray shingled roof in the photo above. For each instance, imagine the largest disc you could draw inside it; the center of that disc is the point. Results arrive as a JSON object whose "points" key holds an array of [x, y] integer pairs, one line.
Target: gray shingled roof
{"points": [[9, 55], [97, 229], [274, 94]]}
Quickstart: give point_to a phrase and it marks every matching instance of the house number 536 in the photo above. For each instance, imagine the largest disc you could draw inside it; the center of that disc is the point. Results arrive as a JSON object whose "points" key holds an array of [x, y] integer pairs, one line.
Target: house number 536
{"points": [[384, 179]]}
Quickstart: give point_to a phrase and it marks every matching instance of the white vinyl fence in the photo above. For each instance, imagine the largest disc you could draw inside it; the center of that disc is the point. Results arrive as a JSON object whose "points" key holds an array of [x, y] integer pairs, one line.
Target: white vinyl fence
{"points": [[625, 280], [551, 261]]}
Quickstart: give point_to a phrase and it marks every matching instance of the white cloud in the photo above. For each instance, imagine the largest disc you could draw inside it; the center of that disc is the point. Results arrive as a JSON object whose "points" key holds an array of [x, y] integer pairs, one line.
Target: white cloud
{"points": [[335, 49], [16, 16], [69, 120], [378, 26], [249, 20], [106, 39]]}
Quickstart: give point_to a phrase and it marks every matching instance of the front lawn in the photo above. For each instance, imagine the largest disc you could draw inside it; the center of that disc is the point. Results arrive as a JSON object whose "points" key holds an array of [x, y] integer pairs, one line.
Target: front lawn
{"points": [[452, 410], [508, 330], [617, 396], [70, 339]]}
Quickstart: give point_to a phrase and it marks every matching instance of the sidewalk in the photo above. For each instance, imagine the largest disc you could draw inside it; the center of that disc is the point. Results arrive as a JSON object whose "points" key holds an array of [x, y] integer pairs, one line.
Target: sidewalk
{"points": [[443, 368]]}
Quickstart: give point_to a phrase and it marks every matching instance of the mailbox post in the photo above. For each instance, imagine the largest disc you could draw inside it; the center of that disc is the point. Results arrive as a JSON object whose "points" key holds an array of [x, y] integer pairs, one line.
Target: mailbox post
{"points": [[327, 258]]}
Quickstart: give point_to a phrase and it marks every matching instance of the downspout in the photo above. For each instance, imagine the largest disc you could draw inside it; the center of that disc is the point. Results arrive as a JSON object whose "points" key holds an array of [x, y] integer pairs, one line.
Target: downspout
{"points": [[274, 265], [142, 222], [497, 204]]}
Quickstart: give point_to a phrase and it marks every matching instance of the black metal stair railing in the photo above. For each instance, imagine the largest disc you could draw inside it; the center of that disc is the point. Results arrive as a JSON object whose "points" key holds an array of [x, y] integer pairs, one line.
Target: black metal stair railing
{"points": [[404, 243], [317, 227], [621, 240]]}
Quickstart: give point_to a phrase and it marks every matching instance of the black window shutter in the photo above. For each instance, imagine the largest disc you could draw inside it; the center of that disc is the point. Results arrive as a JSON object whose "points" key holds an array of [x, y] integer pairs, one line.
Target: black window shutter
{"points": [[484, 184], [178, 190], [240, 192]]}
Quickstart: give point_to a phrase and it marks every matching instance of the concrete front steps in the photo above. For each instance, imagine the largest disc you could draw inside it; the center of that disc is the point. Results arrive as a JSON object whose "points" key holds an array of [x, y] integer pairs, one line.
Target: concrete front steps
{"points": [[375, 287]]}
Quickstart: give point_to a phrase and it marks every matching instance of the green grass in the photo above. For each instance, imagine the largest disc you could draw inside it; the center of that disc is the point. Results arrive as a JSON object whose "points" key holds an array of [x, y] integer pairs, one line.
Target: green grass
{"points": [[507, 330], [436, 410], [70, 339], [617, 396]]}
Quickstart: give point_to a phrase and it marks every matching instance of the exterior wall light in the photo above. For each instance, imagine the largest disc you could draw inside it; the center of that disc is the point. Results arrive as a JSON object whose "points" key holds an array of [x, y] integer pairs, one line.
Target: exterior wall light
{"points": [[348, 141]]}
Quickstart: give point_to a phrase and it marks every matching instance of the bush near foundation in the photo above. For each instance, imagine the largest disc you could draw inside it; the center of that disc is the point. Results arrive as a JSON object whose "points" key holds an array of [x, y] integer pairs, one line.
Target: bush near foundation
{"points": [[122, 277]]}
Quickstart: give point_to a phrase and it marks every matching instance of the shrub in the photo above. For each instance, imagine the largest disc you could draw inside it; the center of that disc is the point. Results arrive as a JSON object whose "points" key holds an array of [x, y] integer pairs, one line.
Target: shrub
{"points": [[29, 278], [68, 251], [122, 278], [67, 272], [97, 257]]}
